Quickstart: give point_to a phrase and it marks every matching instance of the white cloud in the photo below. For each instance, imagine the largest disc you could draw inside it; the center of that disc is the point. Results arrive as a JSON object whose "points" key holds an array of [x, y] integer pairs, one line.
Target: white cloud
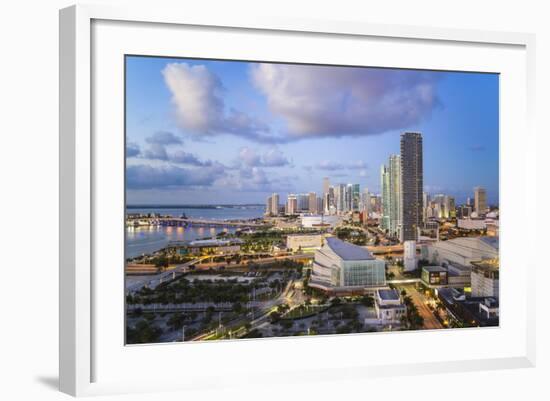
{"points": [[163, 177], [332, 165], [197, 95], [164, 138], [271, 158], [155, 151], [318, 101], [132, 149]]}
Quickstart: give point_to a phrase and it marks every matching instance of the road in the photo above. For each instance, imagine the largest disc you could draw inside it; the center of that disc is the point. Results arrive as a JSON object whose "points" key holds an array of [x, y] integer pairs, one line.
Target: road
{"points": [[430, 321], [261, 317], [245, 264], [154, 280], [211, 222]]}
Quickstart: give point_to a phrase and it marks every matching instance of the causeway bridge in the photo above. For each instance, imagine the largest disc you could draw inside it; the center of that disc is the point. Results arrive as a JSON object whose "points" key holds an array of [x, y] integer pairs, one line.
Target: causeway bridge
{"points": [[180, 221]]}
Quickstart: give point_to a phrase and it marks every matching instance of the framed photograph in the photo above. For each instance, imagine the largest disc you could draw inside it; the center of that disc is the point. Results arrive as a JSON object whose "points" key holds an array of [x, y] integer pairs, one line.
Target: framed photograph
{"points": [[237, 193]]}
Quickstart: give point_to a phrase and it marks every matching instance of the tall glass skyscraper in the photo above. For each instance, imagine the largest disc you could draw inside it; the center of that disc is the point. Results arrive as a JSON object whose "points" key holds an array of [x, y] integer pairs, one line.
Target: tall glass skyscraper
{"points": [[385, 188], [412, 183], [395, 195], [356, 197], [390, 177]]}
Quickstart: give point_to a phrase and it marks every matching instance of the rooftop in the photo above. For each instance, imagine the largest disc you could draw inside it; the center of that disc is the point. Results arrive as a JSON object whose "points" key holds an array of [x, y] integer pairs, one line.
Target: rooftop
{"points": [[487, 264], [348, 251], [434, 269], [388, 295], [491, 241], [216, 242]]}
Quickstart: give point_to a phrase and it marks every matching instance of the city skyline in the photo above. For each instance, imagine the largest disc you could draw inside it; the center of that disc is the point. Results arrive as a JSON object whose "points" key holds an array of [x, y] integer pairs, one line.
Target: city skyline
{"points": [[207, 132]]}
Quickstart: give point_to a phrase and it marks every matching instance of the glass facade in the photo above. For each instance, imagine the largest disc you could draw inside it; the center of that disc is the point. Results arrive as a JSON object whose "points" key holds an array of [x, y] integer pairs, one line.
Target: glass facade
{"points": [[364, 273]]}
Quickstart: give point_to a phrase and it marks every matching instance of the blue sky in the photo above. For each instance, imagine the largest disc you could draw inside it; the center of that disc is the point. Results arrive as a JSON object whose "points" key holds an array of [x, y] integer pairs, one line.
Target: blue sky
{"points": [[203, 131]]}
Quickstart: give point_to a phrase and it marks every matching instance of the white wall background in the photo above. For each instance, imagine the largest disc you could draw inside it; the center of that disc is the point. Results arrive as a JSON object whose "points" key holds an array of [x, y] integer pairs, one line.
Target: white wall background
{"points": [[29, 185]]}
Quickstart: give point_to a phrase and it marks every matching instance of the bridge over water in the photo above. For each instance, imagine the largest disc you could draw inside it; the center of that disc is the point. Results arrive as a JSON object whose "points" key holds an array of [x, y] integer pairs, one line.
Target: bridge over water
{"points": [[178, 221]]}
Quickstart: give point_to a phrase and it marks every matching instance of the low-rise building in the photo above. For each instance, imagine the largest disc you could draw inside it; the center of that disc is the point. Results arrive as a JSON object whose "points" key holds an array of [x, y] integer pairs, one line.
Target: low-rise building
{"points": [[434, 276], [471, 224], [319, 221], [389, 307], [470, 311], [489, 308], [208, 246], [295, 242], [492, 228]]}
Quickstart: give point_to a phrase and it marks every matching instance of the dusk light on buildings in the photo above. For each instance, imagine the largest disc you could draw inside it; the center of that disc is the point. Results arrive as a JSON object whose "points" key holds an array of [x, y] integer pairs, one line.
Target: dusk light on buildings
{"points": [[268, 200]]}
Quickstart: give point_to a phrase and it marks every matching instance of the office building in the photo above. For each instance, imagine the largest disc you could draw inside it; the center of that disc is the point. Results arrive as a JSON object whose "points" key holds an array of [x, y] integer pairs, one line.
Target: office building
{"points": [[355, 197], [480, 201], [412, 184], [464, 212]]}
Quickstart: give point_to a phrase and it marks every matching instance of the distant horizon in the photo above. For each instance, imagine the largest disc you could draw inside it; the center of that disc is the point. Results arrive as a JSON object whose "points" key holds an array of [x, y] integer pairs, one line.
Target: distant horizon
{"points": [[196, 205], [236, 131]]}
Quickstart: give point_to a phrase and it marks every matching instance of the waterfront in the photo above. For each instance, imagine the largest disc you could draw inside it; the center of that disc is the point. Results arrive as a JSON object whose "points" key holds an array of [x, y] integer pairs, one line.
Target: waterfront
{"points": [[148, 239]]}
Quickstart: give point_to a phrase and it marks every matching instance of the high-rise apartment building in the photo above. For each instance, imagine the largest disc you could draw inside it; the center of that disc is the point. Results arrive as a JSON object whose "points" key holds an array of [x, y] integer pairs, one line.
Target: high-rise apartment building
{"points": [[385, 207], [340, 203], [268, 206], [275, 204], [291, 204], [312, 202], [331, 200], [395, 195], [390, 177], [319, 201], [412, 185], [303, 202], [348, 198], [365, 202]]}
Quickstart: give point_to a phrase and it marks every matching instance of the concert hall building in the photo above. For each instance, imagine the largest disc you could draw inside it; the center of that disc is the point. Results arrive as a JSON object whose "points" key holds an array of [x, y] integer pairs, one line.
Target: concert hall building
{"points": [[342, 268]]}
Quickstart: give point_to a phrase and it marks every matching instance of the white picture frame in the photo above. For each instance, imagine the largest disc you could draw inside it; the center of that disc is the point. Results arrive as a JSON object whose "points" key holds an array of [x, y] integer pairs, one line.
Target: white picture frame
{"points": [[79, 343]]}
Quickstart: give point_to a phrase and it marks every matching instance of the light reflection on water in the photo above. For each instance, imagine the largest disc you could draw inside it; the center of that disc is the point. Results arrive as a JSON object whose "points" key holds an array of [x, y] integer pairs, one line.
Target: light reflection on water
{"points": [[147, 239]]}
